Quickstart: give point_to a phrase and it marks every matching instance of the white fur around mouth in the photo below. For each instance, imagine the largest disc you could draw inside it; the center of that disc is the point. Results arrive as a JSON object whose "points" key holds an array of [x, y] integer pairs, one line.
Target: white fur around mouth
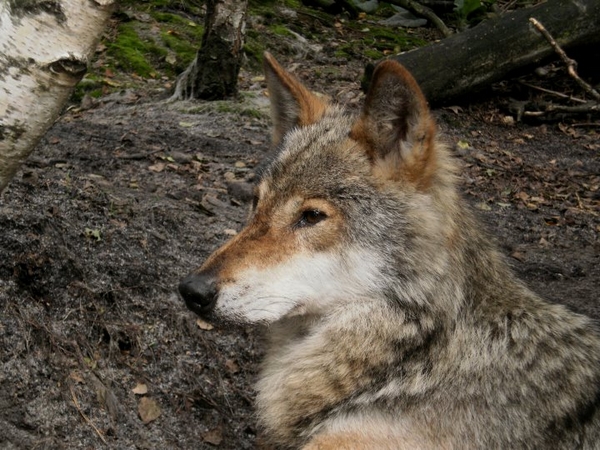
{"points": [[303, 283]]}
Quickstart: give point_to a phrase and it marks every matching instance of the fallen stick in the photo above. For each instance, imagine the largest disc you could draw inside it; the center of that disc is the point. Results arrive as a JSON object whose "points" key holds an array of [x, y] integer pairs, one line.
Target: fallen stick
{"points": [[570, 63]]}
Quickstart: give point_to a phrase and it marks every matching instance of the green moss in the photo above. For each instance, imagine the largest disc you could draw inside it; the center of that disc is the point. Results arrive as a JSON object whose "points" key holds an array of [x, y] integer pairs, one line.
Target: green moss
{"points": [[254, 50], [328, 72], [132, 53], [139, 48], [378, 42], [169, 18], [373, 54], [181, 35], [245, 106], [90, 84], [147, 4], [266, 11], [280, 30], [184, 50]]}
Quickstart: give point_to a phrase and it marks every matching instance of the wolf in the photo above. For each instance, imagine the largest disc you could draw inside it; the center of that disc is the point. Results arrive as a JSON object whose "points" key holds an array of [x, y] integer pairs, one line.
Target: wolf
{"points": [[393, 320]]}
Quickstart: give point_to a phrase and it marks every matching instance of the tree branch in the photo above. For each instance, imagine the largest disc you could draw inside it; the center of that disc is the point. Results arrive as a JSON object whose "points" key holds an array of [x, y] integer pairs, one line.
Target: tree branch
{"points": [[570, 63], [423, 11]]}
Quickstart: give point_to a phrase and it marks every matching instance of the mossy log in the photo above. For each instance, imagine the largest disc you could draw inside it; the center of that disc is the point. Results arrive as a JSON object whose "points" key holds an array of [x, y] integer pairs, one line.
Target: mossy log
{"points": [[499, 48]]}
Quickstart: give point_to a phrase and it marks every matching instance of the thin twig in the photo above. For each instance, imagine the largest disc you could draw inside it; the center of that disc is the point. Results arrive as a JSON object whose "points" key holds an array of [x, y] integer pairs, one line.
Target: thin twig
{"points": [[558, 94], [86, 418], [585, 124], [552, 108], [423, 11], [570, 63]]}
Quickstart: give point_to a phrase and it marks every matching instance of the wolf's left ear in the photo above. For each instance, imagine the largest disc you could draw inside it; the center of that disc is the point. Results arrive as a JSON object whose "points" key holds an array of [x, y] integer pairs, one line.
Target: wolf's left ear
{"points": [[292, 104], [396, 127]]}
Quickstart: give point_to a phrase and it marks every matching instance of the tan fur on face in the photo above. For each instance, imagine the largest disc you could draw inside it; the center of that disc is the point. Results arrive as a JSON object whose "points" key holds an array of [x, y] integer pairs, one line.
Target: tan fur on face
{"points": [[272, 237]]}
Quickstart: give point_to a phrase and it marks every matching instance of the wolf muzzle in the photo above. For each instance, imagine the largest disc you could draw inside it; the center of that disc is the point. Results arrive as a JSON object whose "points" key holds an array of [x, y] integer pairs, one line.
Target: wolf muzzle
{"points": [[199, 292]]}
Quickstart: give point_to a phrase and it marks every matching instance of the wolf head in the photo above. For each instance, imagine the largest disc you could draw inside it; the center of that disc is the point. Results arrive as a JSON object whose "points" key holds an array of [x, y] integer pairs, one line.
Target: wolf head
{"points": [[351, 208]]}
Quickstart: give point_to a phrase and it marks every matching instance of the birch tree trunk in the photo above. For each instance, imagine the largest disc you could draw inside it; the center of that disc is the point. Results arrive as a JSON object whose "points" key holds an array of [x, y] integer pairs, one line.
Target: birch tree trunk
{"points": [[213, 73], [44, 52]]}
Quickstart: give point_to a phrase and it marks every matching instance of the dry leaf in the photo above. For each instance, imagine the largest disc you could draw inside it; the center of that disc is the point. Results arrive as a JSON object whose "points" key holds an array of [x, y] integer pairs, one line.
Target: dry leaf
{"points": [[214, 436], [148, 409], [522, 196], [203, 325], [463, 145], [76, 376], [518, 256], [158, 167], [232, 366], [140, 389]]}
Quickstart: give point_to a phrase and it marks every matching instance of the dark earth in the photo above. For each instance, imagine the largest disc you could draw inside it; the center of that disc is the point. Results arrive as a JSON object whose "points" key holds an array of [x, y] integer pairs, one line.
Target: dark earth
{"points": [[121, 200]]}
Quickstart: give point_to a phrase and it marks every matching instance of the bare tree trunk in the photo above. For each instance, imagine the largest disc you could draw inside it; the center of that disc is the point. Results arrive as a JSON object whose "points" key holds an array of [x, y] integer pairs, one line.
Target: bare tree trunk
{"points": [[44, 51], [499, 48], [213, 73]]}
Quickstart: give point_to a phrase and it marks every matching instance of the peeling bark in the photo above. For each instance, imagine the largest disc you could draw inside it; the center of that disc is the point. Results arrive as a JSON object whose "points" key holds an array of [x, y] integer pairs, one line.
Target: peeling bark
{"points": [[45, 46], [213, 73]]}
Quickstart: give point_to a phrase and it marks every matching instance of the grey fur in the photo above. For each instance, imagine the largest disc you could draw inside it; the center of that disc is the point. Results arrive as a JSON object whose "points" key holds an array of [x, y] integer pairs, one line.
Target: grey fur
{"points": [[443, 347]]}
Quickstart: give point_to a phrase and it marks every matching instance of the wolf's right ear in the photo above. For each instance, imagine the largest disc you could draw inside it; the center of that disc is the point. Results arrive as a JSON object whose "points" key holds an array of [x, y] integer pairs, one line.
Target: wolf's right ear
{"points": [[292, 104]]}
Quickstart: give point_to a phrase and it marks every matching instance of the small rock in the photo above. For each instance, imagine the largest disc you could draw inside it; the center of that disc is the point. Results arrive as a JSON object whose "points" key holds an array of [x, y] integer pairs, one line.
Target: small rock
{"points": [[30, 178], [140, 389], [148, 410], [508, 120], [214, 201], [240, 190], [87, 102], [403, 18], [181, 158]]}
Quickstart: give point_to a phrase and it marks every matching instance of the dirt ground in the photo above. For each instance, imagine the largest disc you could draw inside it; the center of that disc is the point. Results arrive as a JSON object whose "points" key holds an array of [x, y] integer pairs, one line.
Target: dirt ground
{"points": [[122, 200]]}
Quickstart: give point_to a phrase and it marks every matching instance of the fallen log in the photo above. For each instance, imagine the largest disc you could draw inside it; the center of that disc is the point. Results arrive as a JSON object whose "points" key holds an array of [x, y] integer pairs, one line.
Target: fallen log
{"points": [[499, 48]]}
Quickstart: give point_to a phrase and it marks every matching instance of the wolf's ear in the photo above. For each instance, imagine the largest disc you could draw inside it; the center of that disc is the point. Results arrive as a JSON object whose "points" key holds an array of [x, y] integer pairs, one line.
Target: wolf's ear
{"points": [[396, 127], [292, 104]]}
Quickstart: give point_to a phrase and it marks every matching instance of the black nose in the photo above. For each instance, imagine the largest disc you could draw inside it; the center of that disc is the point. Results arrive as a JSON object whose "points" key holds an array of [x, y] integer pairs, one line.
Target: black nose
{"points": [[199, 292]]}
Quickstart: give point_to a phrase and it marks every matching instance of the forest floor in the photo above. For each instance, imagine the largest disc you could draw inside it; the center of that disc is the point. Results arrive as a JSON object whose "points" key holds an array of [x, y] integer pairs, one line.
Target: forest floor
{"points": [[127, 194]]}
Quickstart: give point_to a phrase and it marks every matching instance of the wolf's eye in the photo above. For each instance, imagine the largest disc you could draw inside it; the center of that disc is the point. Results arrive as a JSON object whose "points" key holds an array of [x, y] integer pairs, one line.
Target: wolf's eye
{"points": [[311, 217]]}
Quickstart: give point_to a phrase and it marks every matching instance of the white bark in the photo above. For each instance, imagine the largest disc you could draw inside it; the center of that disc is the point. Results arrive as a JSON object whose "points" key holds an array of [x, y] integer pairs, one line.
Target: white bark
{"points": [[44, 51]]}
